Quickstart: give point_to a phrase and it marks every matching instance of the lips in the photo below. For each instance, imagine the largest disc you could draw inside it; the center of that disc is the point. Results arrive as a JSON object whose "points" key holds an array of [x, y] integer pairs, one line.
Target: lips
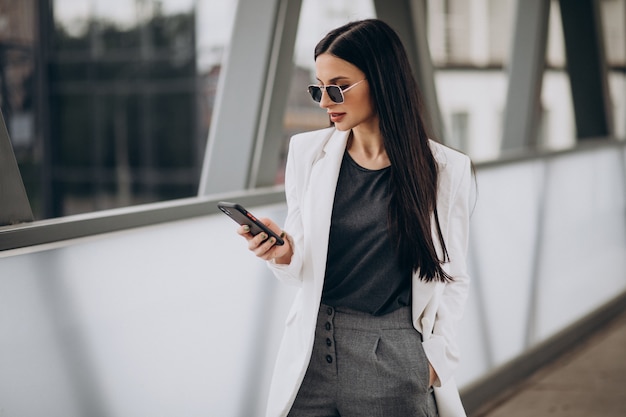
{"points": [[335, 117]]}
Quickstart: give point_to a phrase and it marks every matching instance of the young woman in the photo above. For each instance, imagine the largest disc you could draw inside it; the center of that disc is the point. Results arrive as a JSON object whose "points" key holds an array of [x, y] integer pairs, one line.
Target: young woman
{"points": [[376, 238]]}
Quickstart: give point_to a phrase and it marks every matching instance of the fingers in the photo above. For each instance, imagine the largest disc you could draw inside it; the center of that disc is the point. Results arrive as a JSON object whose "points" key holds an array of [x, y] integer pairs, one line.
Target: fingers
{"points": [[433, 375], [262, 246], [244, 230]]}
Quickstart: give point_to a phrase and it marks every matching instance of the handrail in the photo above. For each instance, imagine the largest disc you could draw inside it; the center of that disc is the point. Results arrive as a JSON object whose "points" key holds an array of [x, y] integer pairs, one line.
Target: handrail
{"points": [[584, 145], [106, 221], [83, 225]]}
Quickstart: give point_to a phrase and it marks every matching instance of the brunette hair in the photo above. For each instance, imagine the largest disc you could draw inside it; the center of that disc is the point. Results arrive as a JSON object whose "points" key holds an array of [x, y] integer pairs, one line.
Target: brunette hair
{"points": [[375, 48]]}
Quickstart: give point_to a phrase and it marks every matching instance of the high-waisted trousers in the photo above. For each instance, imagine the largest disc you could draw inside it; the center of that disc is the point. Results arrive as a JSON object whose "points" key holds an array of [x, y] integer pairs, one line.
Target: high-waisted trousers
{"points": [[365, 366]]}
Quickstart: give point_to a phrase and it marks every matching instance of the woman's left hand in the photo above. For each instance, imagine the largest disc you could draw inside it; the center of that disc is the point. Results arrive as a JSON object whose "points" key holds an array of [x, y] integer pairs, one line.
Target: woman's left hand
{"points": [[433, 375]]}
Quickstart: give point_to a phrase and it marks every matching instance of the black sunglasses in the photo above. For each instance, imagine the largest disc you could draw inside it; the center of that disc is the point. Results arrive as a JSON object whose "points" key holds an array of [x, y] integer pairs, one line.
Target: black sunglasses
{"points": [[335, 93]]}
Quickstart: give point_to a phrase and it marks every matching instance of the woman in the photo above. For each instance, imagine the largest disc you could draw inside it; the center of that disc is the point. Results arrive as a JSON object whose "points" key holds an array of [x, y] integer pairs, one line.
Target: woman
{"points": [[376, 238]]}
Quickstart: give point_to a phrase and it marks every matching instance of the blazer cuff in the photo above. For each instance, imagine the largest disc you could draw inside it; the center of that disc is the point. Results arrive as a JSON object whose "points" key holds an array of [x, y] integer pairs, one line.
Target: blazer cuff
{"points": [[435, 349]]}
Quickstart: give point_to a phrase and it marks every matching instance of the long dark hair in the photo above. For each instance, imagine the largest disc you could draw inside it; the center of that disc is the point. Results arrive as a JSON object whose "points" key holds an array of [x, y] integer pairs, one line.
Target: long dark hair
{"points": [[375, 48]]}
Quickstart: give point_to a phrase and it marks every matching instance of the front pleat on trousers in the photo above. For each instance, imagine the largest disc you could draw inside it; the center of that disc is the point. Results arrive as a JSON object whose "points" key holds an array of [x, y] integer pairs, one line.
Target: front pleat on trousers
{"points": [[365, 366]]}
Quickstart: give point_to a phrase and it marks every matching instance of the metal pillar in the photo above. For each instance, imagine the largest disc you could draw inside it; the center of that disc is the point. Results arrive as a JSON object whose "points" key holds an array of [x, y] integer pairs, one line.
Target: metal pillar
{"points": [[50, 204], [247, 107], [526, 67], [14, 205], [586, 64], [270, 138]]}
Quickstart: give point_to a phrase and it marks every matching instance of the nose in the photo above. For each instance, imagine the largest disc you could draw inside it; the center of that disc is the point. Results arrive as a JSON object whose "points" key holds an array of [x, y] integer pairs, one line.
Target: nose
{"points": [[325, 102]]}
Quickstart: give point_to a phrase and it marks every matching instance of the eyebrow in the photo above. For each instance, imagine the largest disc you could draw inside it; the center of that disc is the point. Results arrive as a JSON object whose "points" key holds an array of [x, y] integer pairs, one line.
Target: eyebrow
{"points": [[335, 80]]}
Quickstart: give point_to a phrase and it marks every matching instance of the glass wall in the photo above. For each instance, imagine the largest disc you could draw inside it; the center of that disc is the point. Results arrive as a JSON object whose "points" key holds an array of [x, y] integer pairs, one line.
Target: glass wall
{"points": [[470, 43], [108, 102]]}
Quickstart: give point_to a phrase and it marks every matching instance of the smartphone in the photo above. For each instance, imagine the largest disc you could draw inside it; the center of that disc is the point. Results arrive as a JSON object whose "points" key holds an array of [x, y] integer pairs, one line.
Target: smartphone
{"points": [[242, 216]]}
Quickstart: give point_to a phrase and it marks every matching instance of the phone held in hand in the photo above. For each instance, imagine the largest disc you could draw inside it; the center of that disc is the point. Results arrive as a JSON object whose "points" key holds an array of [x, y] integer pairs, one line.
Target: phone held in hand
{"points": [[243, 217]]}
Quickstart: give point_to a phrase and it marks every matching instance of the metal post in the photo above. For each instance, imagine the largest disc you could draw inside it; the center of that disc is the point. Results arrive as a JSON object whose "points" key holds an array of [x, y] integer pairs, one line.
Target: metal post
{"points": [[526, 67], [14, 205], [586, 64], [239, 100], [269, 138]]}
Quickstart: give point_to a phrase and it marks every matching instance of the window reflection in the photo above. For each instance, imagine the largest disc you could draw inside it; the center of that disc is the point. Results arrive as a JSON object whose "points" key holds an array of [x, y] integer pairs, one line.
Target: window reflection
{"points": [[17, 80], [121, 101]]}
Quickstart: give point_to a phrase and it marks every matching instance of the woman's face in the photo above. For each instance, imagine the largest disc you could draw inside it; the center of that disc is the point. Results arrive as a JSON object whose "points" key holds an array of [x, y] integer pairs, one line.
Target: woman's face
{"points": [[357, 109]]}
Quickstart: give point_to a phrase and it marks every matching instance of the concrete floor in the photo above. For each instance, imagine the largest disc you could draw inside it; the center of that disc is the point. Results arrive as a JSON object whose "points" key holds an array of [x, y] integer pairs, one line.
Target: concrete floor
{"points": [[588, 381]]}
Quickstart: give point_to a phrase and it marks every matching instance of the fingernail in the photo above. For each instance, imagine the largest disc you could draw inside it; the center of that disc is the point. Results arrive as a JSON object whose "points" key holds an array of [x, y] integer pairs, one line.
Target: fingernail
{"points": [[282, 233], [272, 240], [246, 228], [263, 236]]}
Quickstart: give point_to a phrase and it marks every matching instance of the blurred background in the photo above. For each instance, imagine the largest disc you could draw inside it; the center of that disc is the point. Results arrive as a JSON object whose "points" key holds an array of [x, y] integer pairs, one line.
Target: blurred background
{"points": [[109, 102], [123, 292]]}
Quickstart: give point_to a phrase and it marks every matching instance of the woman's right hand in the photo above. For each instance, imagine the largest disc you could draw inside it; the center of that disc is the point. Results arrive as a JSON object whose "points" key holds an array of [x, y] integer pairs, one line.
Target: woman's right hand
{"points": [[266, 248]]}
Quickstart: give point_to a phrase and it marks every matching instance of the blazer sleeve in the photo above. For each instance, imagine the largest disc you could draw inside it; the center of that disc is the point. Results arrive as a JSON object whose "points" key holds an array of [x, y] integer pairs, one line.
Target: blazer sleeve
{"points": [[441, 346], [290, 273]]}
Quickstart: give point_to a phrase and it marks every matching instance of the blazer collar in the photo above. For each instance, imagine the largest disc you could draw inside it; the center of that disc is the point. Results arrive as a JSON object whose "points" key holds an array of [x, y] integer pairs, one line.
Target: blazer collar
{"points": [[336, 144], [438, 153]]}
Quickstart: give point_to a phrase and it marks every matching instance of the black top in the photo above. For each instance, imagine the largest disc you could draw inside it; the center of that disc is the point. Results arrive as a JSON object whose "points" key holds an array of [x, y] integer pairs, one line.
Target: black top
{"points": [[362, 270]]}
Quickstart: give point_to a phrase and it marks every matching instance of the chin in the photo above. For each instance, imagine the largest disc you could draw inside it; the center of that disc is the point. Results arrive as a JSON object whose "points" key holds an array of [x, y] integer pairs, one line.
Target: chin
{"points": [[342, 127]]}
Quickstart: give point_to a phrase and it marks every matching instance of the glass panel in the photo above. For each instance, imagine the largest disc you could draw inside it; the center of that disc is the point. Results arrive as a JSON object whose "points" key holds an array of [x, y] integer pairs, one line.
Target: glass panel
{"points": [[500, 30], [557, 126], [17, 82], [459, 129], [552, 223], [118, 325], [124, 104], [613, 14], [470, 44], [471, 72]]}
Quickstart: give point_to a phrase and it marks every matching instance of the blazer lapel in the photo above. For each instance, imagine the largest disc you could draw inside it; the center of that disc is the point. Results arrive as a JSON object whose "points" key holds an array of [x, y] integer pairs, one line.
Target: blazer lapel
{"points": [[321, 195]]}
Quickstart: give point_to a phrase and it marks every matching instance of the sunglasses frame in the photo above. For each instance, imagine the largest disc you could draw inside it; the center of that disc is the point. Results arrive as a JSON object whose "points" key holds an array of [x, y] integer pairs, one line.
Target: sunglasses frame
{"points": [[322, 88]]}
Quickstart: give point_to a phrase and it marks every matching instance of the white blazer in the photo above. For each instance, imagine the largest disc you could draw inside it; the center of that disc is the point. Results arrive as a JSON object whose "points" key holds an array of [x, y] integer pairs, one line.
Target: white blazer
{"points": [[312, 171]]}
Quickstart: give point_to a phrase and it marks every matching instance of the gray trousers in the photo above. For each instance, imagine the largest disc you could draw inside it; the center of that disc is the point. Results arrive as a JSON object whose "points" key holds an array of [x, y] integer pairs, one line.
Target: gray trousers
{"points": [[365, 366]]}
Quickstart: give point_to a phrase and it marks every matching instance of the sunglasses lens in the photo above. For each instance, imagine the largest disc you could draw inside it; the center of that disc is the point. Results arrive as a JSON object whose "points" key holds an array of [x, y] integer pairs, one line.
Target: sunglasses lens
{"points": [[316, 93], [334, 93]]}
